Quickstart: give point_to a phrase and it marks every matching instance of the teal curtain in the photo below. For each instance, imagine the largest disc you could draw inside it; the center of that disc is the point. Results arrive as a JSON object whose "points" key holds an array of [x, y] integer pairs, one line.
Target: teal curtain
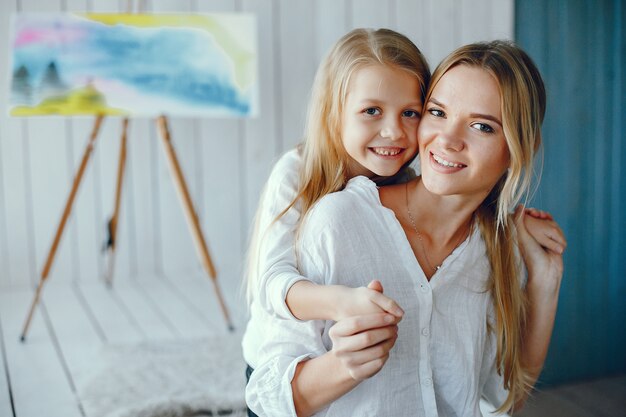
{"points": [[579, 48]]}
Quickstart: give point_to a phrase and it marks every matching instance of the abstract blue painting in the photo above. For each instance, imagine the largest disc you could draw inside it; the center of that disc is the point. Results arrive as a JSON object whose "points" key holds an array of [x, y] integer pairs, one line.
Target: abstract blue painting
{"points": [[134, 65]]}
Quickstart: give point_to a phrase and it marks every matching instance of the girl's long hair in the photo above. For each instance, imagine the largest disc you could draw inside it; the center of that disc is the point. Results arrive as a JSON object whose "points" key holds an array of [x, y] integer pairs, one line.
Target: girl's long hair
{"points": [[523, 99], [324, 159]]}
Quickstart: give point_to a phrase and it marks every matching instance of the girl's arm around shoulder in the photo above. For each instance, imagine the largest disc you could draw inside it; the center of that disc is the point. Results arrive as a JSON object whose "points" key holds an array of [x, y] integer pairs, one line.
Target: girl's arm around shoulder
{"points": [[310, 301], [325, 230]]}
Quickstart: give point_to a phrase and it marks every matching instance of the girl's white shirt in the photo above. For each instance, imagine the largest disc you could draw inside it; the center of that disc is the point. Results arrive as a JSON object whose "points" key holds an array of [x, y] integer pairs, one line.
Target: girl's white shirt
{"points": [[444, 358], [275, 254], [275, 257]]}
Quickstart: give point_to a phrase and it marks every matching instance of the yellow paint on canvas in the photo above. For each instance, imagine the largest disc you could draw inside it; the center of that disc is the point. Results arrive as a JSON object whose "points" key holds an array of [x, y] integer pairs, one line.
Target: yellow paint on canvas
{"points": [[242, 58], [85, 100]]}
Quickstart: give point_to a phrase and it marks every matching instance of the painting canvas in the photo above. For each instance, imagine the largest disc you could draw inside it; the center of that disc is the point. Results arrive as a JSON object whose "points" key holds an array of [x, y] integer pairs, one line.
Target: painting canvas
{"points": [[134, 65]]}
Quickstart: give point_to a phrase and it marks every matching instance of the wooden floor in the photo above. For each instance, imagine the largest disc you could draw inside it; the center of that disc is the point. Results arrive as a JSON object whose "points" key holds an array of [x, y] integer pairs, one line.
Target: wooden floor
{"points": [[40, 377], [598, 398]]}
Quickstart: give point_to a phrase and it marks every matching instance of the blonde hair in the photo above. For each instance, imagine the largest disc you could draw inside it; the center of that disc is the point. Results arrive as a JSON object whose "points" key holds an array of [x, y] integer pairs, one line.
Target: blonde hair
{"points": [[523, 100], [325, 161]]}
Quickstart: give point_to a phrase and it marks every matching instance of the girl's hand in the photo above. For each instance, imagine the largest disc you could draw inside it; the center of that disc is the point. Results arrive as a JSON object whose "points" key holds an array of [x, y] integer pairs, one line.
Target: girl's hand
{"points": [[543, 255], [539, 214], [362, 343], [361, 301]]}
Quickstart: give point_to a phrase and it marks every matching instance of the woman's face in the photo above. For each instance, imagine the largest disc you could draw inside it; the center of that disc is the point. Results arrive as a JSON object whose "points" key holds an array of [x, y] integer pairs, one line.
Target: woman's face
{"points": [[379, 120], [462, 146]]}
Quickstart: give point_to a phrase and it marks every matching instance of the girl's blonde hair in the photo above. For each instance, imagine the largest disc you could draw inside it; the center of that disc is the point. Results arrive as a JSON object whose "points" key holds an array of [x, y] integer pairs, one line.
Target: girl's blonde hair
{"points": [[523, 100], [324, 159]]}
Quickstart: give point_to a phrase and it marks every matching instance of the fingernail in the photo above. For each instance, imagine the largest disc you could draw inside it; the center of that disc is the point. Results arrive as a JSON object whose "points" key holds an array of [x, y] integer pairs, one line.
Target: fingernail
{"points": [[388, 318], [398, 312]]}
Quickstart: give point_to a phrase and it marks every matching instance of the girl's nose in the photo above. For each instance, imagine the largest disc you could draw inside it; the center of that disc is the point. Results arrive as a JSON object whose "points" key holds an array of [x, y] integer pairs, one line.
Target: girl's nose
{"points": [[392, 130]]}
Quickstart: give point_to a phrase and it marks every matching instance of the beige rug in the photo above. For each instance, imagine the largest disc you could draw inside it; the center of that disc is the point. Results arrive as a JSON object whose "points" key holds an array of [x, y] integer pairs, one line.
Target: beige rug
{"points": [[171, 379]]}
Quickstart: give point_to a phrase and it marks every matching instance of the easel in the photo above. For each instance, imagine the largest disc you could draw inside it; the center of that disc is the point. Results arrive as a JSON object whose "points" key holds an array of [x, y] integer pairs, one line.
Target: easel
{"points": [[183, 192]]}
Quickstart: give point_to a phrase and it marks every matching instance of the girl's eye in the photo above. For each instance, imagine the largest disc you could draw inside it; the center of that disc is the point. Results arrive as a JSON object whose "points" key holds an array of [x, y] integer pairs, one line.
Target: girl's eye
{"points": [[436, 112], [483, 127], [372, 111], [411, 114]]}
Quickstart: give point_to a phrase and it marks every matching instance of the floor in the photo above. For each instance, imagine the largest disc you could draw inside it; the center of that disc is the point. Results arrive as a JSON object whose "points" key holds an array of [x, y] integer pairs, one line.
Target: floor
{"points": [[42, 376], [599, 398]]}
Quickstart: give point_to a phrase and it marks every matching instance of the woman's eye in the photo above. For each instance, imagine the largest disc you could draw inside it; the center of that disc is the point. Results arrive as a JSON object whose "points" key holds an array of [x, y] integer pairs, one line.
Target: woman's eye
{"points": [[436, 112], [372, 111], [483, 127], [411, 114]]}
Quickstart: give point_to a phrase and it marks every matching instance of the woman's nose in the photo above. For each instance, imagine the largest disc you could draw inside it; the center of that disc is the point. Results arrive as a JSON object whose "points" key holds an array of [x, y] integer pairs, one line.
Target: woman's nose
{"points": [[451, 137]]}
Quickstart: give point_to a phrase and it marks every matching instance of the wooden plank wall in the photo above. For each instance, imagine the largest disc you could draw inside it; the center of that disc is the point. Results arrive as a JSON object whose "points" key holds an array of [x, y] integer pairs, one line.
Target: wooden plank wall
{"points": [[583, 181], [225, 161]]}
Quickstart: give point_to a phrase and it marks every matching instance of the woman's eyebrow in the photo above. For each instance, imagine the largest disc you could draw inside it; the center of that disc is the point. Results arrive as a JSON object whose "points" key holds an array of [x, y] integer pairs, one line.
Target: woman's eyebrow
{"points": [[437, 102], [477, 115], [486, 116]]}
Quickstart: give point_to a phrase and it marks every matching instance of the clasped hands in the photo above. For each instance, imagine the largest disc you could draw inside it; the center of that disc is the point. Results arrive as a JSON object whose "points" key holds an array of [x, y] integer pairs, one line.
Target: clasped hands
{"points": [[366, 329]]}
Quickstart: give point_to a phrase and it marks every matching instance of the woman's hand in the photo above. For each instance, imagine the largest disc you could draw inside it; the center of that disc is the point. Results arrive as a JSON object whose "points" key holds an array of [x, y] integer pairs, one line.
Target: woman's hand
{"points": [[541, 242], [361, 344], [360, 349], [543, 255]]}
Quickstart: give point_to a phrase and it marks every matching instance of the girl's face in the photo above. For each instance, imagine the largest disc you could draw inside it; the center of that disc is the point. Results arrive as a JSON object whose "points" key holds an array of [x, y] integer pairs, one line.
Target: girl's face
{"points": [[379, 121], [461, 140]]}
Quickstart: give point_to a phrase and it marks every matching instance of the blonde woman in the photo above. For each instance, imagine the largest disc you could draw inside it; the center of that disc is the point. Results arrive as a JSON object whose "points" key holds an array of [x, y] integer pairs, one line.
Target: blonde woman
{"points": [[445, 249]]}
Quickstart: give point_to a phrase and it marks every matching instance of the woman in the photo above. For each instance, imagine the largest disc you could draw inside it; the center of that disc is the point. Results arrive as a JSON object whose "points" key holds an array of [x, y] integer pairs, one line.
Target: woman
{"points": [[445, 252]]}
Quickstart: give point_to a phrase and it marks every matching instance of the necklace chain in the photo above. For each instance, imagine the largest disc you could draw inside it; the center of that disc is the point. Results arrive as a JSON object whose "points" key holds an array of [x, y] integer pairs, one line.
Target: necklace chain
{"points": [[419, 235]]}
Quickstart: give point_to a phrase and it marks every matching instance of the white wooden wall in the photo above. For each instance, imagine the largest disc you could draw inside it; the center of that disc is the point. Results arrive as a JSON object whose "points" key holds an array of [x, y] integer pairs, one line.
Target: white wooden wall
{"points": [[225, 161]]}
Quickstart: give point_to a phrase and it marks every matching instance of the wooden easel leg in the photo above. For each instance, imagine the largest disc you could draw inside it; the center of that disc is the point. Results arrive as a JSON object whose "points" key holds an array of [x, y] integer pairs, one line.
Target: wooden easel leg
{"points": [[113, 222], [190, 213], [64, 218]]}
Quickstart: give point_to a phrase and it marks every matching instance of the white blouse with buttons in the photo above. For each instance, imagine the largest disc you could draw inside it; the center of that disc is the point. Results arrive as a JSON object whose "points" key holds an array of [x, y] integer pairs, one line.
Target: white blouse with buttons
{"points": [[444, 358]]}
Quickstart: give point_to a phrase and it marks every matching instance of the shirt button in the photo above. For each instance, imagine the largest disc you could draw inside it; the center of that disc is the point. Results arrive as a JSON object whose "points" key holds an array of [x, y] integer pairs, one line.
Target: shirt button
{"points": [[424, 288], [427, 382], [425, 331]]}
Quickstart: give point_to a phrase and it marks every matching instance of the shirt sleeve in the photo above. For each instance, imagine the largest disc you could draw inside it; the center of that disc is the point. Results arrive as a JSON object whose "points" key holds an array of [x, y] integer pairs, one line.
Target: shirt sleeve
{"points": [[276, 268], [493, 390], [268, 392], [289, 342]]}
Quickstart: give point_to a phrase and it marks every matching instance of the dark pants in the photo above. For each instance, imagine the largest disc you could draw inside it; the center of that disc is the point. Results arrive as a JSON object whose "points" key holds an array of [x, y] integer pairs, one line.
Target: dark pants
{"points": [[249, 371]]}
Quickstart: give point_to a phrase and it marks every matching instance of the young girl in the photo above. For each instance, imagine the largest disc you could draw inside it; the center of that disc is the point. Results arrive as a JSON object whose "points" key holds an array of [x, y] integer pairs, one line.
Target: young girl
{"points": [[322, 165], [447, 255], [391, 100]]}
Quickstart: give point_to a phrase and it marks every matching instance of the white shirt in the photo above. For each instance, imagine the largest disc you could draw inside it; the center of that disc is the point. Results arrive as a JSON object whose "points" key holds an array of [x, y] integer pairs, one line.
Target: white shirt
{"points": [[276, 258], [444, 358]]}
